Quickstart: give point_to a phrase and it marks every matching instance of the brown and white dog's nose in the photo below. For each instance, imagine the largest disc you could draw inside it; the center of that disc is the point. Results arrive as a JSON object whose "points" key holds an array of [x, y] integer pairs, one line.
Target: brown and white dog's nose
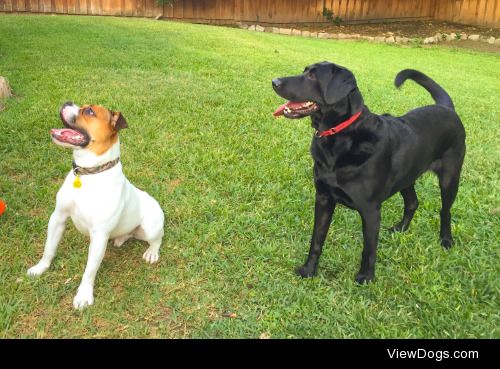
{"points": [[68, 113], [65, 105]]}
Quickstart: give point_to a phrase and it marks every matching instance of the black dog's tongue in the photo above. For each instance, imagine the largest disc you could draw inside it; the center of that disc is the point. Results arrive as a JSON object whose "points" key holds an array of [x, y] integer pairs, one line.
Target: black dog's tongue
{"points": [[278, 112], [291, 105]]}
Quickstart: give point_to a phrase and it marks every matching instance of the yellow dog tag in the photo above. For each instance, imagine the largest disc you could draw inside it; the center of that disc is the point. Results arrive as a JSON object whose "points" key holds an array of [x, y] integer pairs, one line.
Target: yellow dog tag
{"points": [[77, 183]]}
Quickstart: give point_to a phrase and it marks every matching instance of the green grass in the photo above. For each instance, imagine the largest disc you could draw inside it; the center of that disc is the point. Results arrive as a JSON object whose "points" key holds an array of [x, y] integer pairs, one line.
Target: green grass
{"points": [[236, 187]]}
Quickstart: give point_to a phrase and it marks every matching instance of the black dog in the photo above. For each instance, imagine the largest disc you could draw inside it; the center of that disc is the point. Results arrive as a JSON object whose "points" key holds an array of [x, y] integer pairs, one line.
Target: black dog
{"points": [[361, 159]]}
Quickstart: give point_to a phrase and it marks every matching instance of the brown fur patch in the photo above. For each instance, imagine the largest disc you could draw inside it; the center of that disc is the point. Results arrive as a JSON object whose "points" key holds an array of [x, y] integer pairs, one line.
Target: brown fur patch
{"points": [[100, 127]]}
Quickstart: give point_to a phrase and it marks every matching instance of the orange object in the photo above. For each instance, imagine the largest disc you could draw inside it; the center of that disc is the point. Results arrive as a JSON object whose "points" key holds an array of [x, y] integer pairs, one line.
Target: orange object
{"points": [[2, 207]]}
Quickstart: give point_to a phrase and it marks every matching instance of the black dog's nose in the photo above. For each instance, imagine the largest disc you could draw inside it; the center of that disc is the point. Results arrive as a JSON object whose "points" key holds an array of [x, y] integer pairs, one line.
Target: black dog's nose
{"points": [[277, 83]]}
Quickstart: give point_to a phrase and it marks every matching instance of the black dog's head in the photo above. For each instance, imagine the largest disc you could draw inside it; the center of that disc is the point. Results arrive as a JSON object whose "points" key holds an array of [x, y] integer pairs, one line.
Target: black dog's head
{"points": [[320, 89]]}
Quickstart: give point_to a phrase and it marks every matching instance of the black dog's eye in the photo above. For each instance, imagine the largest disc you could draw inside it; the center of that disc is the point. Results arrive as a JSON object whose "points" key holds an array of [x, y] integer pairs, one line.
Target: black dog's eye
{"points": [[89, 111], [311, 74]]}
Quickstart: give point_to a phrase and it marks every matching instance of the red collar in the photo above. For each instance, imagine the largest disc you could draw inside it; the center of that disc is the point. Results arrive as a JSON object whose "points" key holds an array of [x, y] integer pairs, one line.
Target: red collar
{"points": [[339, 127]]}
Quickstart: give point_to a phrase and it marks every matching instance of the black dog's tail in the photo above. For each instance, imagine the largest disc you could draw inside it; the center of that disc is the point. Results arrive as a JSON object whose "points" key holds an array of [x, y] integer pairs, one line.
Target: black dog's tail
{"points": [[437, 92]]}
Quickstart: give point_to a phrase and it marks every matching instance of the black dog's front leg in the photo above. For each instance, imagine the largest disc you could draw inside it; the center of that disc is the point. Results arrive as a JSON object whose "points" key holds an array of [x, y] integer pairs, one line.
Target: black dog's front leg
{"points": [[323, 212], [371, 227]]}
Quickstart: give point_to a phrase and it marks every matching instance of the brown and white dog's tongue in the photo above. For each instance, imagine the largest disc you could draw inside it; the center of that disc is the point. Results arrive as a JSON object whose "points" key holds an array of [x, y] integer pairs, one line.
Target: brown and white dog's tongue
{"points": [[67, 135], [291, 105]]}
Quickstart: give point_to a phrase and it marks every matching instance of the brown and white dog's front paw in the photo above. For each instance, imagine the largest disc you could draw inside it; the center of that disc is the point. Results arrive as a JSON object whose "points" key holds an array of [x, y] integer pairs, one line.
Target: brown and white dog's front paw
{"points": [[84, 297], [151, 255], [37, 270]]}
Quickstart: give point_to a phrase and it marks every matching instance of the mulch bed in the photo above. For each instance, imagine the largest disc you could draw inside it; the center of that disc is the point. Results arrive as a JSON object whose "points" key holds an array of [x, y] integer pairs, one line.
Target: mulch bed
{"points": [[403, 29], [411, 29]]}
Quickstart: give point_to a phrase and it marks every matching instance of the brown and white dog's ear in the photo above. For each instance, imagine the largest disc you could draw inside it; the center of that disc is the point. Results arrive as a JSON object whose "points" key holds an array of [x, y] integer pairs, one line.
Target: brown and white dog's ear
{"points": [[118, 121]]}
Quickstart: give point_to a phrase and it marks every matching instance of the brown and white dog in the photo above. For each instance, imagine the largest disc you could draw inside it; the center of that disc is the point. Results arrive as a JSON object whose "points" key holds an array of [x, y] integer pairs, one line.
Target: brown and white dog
{"points": [[97, 196]]}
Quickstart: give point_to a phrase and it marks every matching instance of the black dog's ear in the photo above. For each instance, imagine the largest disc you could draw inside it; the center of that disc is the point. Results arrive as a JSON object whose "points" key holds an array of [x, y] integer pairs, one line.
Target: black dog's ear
{"points": [[336, 83], [118, 121]]}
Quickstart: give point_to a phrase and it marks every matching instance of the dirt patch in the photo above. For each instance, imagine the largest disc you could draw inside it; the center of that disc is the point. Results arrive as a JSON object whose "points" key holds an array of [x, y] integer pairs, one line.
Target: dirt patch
{"points": [[174, 184], [412, 30]]}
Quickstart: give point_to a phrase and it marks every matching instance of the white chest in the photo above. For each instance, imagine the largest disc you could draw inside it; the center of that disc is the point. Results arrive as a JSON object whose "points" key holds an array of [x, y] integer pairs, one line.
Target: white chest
{"points": [[102, 202]]}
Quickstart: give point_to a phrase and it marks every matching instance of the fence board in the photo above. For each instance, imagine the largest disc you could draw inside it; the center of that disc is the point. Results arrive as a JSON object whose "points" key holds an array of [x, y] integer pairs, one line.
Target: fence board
{"points": [[47, 6], [478, 12], [7, 5], [129, 8], [494, 17], [59, 6], [81, 7], [21, 6], [33, 6]]}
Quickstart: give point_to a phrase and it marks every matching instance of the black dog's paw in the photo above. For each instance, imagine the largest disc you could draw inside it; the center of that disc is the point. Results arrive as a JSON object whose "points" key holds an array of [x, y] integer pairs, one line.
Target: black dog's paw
{"points": [[446, 242], [305, 271], [362, 278], [399, 227]]}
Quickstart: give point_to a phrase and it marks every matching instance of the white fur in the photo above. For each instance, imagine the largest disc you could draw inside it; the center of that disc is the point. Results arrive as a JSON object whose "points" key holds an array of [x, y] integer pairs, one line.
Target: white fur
{"points": [[106, 206]]}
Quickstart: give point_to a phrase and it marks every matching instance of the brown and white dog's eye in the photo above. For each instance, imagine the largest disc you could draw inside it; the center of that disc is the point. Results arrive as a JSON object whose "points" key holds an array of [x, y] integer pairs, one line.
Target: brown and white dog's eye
{"points": [[89, 111]]}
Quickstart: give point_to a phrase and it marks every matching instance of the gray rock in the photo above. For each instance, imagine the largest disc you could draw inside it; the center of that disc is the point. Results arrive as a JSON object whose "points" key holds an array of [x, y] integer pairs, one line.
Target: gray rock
{"points": [[259, 28], [450, 37], [402, 40], [438, 37], [429, 40], [491, 40], [296, 32], [276, 30], [285, 31], [251, 28], [323, 35], [306, 34], [497, 41], [390, 40], [314, 34], [380, 39], [474, 37]]}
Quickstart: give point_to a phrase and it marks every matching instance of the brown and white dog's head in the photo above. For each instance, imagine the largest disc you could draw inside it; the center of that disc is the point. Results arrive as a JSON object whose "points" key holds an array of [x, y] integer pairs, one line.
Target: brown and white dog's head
{"points": [[90, 127]]}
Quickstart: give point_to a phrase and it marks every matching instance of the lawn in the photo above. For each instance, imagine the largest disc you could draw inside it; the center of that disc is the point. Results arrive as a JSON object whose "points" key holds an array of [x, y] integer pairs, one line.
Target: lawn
{"points": [[236, 187]]}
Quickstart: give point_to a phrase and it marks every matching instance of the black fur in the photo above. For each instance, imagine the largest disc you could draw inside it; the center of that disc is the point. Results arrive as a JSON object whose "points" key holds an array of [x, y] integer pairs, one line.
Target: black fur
{"points": [[376, 156]]}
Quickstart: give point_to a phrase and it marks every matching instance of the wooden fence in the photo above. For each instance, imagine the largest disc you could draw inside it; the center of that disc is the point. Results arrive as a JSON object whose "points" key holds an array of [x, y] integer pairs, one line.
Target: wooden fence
{"points": [[480, 12]]}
